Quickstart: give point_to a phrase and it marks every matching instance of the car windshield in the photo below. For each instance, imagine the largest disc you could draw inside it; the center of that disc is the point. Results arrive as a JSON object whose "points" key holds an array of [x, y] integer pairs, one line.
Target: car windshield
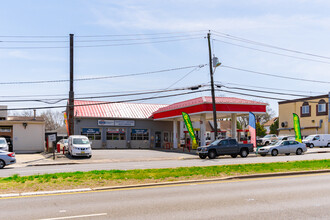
{"points": [[215, 142], [80, 141], [310, 137], [267, 136], [2, 142]]}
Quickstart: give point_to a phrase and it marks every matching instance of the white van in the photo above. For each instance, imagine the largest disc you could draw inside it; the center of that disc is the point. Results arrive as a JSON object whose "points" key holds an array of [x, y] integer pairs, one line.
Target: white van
{"points": [[317, 140], [79, 146], [3, 144]]}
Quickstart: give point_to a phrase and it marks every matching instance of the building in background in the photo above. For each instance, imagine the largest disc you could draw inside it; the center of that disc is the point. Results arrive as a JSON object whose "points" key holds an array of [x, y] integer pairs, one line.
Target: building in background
{"points": [[27, 134], [312, 111], [269, 123]]}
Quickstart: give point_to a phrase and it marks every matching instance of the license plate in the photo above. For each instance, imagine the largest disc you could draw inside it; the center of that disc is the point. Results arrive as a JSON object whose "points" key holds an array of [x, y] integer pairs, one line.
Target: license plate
{"points": [[82, 152]]}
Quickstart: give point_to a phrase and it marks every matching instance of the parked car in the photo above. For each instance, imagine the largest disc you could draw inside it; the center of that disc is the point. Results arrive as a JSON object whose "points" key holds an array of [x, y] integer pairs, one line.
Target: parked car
{"points": [[266, 140], [224, 147], [63, 144], [6, 158], [284, 138], [3, 144], [283, 147], [79, 146], [317, 140]]}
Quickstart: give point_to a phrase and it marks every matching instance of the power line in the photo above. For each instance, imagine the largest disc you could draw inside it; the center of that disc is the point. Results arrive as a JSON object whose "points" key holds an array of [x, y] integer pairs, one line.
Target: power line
{"points": [[290, 90], [263, 91], [266, 97], [104, 96], [105, 45], [266, 45], [104, 103], [274, 75], [101, 40], [102, 77], [147, 34], [265, 51]]}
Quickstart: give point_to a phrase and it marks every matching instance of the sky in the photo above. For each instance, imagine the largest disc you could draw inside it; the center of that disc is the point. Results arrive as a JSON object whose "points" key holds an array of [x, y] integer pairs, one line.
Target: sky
{"points": [[111, 38]]}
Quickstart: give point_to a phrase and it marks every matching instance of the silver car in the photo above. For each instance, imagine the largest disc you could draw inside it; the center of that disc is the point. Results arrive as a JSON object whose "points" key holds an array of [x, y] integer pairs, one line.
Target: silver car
{"points": [[283, 147], [6, 158]]}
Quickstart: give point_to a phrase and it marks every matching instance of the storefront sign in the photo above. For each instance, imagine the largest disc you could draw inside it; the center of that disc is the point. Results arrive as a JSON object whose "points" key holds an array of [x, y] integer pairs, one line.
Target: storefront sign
{"points": [[106, 122], [116, 131], [130, 123], [90, 131], [139, 131], [119, 123]]}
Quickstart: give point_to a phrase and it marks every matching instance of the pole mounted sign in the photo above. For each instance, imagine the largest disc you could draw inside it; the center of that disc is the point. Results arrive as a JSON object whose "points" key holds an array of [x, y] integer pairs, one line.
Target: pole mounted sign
{"points": [[296, 125], [189, 126]]}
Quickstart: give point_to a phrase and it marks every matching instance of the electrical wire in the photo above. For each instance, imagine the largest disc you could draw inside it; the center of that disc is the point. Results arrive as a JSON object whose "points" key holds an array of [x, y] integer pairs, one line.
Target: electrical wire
{"points": [[220, 34], [290, 90], [54, 101], [148, 34], [265, 51], [103, 103], [266, 97], [101, 77], [274, 75], [105, 45]]}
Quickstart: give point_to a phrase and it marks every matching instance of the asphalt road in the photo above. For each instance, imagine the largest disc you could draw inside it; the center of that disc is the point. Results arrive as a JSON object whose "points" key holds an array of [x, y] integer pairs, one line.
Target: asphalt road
{"points": [[291, 197], [24, 171]]}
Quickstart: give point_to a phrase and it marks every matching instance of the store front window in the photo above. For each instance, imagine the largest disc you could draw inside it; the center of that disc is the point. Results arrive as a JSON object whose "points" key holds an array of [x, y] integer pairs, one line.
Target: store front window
{"points": [[92, 133], [140, 134], [116, 134]]}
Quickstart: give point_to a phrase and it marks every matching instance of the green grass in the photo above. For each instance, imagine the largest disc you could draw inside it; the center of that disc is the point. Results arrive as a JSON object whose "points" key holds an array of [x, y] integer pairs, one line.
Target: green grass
{"points": [[120, 177]]}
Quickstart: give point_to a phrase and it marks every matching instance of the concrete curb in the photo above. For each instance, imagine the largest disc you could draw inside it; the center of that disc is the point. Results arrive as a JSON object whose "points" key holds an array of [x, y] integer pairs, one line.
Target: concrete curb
{"points": [[263, 175]]}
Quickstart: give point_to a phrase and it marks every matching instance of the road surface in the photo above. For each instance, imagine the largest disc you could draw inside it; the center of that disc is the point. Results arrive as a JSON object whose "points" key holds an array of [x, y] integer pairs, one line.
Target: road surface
{"points": [[290, 197]]}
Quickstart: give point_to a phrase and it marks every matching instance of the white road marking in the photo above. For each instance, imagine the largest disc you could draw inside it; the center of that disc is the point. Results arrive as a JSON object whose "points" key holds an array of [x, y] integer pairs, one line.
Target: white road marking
{"points": [[76, 216]]}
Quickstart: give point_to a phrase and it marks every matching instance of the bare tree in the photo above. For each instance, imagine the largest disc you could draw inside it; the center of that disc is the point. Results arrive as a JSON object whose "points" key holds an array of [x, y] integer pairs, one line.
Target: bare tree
{"points": [[262, 119], [53, 119]]}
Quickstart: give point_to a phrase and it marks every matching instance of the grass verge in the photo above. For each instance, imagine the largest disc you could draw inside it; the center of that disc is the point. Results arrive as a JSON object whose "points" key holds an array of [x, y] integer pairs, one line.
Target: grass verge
{"points": [[101, 178]]}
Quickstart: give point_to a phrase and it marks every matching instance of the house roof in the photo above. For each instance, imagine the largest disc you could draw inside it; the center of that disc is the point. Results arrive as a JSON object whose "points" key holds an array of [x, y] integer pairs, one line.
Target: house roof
{"points": [[270, 122], [98, 109], [208, 100], [303, 99], [24, 118]]}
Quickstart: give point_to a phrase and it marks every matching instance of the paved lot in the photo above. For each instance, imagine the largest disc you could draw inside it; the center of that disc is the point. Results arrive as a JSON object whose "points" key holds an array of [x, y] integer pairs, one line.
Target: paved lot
{"points": [[110, 156]]}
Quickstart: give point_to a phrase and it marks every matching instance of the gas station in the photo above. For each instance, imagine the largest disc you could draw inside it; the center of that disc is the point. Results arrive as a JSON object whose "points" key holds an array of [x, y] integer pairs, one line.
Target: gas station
{"points": [[201, 110]]}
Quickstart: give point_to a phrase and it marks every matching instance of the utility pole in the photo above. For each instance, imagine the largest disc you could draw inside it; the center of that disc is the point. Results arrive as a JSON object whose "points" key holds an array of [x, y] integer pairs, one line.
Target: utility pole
{"points": [[215, 125], [71, 93]]}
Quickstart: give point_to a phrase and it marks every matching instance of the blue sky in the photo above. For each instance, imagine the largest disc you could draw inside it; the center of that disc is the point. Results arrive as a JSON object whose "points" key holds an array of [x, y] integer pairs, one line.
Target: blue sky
{"points": [[297, 25]]}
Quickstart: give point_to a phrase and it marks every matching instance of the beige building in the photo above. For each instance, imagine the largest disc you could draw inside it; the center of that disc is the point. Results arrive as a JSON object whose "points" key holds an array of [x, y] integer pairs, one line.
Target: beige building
{"points": [[312, 111]]}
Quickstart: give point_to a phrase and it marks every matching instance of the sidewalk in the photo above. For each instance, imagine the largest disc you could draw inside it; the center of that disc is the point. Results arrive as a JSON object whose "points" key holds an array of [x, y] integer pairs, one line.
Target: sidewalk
{"points": [[113, 156]]}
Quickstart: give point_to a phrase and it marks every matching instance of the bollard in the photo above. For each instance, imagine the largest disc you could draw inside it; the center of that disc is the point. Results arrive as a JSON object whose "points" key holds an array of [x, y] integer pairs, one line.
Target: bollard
{"points": [[58, 148]]}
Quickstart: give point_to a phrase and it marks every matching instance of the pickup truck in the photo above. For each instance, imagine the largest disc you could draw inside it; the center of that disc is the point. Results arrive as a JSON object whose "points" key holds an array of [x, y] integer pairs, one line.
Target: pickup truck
{"points": [[224, 147]]}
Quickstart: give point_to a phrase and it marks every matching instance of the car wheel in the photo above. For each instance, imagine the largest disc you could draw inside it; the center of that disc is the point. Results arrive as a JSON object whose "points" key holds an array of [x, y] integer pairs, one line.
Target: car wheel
{"points": [[299, 151], [244, 153], [212, 154], [311, 145], [202, 156], [274, 152], [263, 155], [233, 155], [328, 145], [2, 164], [287, 154], [90, 156], [267, 143]]}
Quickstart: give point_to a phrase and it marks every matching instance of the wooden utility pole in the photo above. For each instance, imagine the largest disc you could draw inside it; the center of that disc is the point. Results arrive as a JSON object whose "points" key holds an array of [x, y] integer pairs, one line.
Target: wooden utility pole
{"points": [[215, 125], [71, 93]]}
